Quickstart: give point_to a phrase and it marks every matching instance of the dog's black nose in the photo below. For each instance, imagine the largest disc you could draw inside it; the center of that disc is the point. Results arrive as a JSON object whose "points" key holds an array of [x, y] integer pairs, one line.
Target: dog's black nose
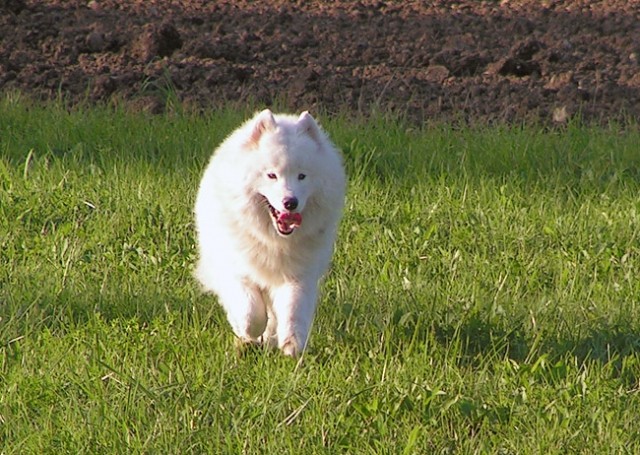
{"points": [[291, 203]]}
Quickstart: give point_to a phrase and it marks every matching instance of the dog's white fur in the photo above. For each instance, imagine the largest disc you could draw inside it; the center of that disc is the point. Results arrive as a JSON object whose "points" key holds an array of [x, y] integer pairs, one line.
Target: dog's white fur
{"points": [[267, 281]]}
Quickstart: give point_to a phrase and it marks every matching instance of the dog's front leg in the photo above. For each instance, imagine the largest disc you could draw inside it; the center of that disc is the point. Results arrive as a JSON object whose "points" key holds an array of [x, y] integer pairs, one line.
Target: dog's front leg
{"points": [[294, 305], [245, 308]]}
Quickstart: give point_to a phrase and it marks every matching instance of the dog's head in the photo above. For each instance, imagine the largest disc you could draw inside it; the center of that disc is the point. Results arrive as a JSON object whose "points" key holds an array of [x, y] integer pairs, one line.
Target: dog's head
{"points": [[285, 151]]}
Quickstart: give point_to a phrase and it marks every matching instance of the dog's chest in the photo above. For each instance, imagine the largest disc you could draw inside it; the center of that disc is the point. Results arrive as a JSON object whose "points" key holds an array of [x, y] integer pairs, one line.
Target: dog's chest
{"points": [[273, 265]]}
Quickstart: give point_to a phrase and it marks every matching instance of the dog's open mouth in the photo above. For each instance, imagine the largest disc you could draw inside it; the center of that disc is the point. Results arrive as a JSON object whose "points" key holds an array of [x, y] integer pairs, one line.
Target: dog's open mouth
{"points": [[285, 222]]}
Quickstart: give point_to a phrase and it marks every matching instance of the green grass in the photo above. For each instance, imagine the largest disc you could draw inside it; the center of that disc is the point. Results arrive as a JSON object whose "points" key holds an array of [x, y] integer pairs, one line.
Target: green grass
{"points": [[484, 296]]}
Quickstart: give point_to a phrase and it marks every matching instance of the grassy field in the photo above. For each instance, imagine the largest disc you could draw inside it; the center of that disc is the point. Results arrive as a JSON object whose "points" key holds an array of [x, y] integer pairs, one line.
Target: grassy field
{"points": [[484, 296]]}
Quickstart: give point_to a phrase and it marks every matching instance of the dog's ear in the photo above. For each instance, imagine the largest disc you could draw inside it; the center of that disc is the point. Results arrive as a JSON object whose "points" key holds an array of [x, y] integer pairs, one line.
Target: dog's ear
{"points": [[308, 125], [262, 122]]}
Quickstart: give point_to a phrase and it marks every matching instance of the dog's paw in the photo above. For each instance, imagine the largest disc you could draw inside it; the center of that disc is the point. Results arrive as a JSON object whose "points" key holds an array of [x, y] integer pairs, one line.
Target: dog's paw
{"points": [[245, 346], [291, 348]]}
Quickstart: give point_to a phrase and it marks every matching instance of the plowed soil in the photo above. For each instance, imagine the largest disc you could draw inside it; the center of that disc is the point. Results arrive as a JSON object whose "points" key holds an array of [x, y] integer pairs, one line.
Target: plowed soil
{"points": [[477, 61]]}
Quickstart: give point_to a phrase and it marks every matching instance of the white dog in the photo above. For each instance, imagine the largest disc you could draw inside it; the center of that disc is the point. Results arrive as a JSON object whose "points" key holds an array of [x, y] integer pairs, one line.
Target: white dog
{"points": [[266, 214]]}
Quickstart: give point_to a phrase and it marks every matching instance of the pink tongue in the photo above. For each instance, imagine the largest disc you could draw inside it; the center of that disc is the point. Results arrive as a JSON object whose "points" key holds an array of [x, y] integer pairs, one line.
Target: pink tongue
{"points": [[290, 219]]}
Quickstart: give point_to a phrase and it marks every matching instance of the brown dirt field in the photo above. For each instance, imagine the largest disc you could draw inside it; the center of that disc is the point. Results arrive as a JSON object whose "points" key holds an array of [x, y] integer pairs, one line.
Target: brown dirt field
{"points": [[477, 61]]}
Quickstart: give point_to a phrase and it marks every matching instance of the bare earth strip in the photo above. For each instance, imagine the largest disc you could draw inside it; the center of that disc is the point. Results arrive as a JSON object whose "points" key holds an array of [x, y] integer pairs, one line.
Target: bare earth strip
{"points": [[467, 60]]}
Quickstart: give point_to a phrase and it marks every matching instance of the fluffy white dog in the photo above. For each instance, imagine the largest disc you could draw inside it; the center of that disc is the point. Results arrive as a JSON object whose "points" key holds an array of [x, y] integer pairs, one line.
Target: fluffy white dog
{"points": [[266, 215]]}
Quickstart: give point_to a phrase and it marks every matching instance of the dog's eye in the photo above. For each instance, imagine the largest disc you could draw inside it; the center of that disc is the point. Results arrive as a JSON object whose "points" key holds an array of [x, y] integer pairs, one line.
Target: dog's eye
{"points": [[272, 176], [302, 176]]}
